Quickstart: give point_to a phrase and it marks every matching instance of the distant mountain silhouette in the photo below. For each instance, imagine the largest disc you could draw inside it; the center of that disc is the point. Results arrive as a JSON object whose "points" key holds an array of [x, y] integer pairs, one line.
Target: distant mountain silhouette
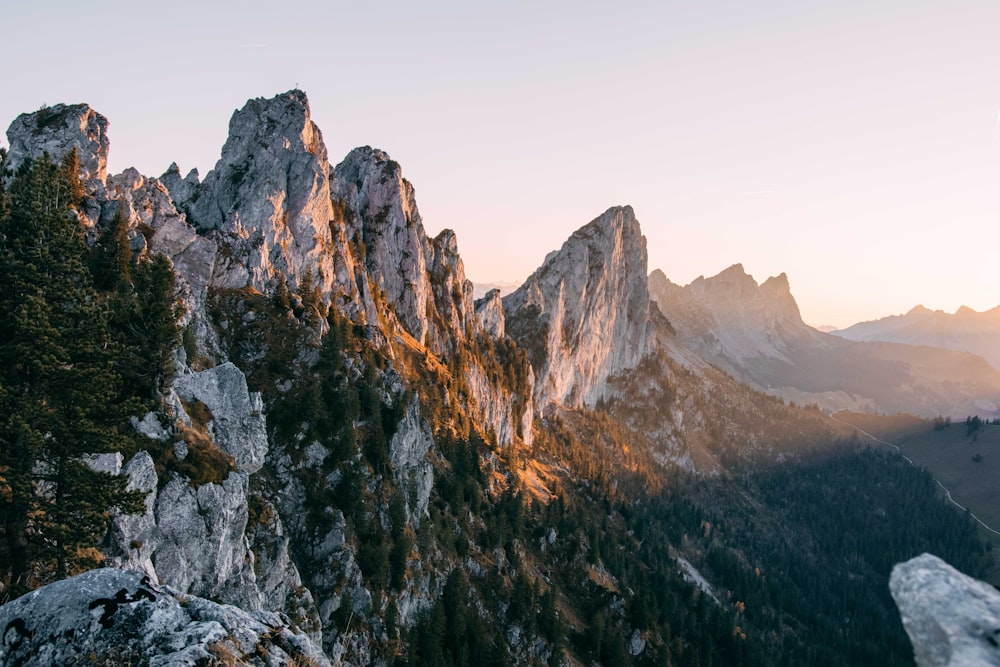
{"points": [[965, 330], [756, 333]]}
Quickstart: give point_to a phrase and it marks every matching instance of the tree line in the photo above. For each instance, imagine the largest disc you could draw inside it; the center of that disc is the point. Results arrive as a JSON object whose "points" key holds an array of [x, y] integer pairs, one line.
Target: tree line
{"points": [[87, 336]]}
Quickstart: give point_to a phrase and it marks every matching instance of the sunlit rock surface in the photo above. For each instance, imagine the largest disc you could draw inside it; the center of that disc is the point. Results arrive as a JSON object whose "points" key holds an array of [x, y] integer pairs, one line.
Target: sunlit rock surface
{"points": [[58, 129], [584, 314], [268, 197]]}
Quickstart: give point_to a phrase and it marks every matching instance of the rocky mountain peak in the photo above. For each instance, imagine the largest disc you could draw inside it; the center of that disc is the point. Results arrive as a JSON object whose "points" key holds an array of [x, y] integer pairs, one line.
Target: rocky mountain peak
{"points": [[583, 314], [268, 197], [735, 298], [777, 292], [398, 255], [58, 129], [489, 310], [965, 311]]}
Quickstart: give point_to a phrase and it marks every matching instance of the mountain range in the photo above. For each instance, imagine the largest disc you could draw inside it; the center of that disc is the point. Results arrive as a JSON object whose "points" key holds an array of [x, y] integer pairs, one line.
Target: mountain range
{"points": [[348, 458], [965, 330], [756, 333]]}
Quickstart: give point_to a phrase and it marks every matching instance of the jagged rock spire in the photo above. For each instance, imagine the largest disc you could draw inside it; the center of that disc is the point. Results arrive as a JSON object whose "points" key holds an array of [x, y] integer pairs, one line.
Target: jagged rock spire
{"points": [[584, 314]]}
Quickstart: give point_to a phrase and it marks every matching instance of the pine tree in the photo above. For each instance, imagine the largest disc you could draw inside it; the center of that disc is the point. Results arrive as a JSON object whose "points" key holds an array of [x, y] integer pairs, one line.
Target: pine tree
{"points": [[58, 387], [113, 268], [155, 323]]}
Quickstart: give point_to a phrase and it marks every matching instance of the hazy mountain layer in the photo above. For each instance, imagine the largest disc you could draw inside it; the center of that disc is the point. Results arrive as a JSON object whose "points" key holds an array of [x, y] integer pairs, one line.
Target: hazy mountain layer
{"points": [[964, 330]]}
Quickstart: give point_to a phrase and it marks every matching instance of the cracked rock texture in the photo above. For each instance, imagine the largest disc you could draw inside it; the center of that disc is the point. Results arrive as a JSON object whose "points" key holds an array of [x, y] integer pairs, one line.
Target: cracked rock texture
{"points": [[58, 129], [237, 423], [110, 616], [268, 198], [588, 305], [952, 619]]}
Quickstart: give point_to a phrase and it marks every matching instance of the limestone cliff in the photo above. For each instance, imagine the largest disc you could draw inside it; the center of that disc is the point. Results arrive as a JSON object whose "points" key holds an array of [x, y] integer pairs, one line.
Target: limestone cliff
{"points": [[267, 200], [584, 314], [57, 130], [422, 279]]}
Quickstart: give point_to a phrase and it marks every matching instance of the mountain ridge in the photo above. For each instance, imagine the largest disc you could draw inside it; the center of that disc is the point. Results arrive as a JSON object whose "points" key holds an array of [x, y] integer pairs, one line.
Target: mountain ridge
{"points": [[964, 330], [756, 333], [410, 475]]}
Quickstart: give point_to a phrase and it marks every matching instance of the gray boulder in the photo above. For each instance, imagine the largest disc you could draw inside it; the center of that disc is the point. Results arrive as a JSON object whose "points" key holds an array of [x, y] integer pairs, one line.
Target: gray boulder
{"points": [[116, 617], [237, 425], [952, 619]]}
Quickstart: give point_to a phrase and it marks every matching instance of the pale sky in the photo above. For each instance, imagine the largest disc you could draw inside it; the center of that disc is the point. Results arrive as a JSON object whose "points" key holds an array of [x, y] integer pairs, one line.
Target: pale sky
{"points": [[853, 145]]}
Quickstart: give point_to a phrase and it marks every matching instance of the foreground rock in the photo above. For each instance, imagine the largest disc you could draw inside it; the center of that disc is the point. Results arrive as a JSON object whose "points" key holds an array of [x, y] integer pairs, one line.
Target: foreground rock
{"points": [[112, 617], [952, 619]]}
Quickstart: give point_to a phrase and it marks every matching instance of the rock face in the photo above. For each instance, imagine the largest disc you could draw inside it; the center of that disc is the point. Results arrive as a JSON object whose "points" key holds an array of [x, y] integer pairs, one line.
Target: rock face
{"points": [[112, 616], [584, 314], [413, 470], [198, 539], [489, 310], [58, 129], [268, 198], [237, 416], [422, 279], [273, 210], [952, 619]]}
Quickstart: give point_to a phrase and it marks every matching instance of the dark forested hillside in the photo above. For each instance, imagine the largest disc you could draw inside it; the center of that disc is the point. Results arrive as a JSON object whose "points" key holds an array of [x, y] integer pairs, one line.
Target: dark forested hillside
{"points": [[807, 549]]}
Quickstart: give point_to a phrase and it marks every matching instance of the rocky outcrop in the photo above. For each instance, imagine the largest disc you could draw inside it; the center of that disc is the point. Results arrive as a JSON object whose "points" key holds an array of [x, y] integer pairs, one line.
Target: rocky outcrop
{"points": [[489, 311], [584, 314], [952, 619], [267, 201], [405, 277], [57, 130], [423, 280], [237, 423], [197, 538], [117, 617], [413, 470]]}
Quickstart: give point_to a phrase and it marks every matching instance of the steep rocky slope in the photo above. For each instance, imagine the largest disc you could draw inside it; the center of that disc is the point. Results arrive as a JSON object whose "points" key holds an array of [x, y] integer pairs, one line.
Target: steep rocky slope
{"points": [[595, 340], [756, 333], [274, 218], [584, 314]]}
